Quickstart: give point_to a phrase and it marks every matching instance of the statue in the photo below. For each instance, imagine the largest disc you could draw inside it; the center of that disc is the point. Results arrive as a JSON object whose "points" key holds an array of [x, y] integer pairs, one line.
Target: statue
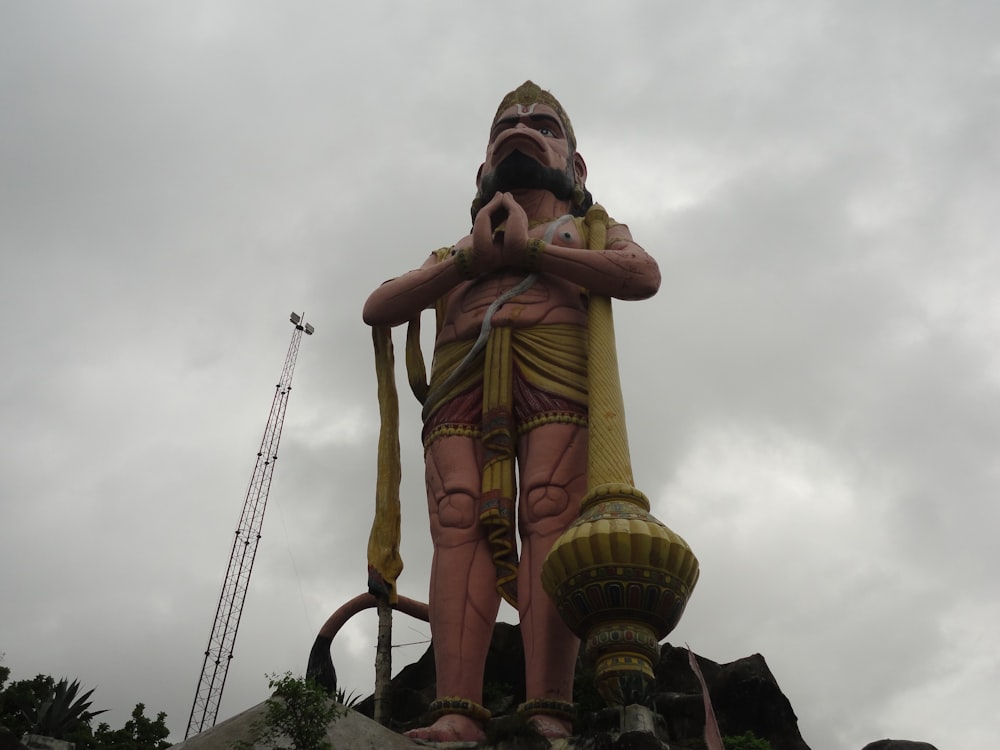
{"points": [[506, 408]]}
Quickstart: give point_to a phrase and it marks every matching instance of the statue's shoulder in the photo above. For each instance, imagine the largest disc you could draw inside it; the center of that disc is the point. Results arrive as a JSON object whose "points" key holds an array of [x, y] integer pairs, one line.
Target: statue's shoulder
{"points": [[581, 221], [443, 252], [584, 230]]}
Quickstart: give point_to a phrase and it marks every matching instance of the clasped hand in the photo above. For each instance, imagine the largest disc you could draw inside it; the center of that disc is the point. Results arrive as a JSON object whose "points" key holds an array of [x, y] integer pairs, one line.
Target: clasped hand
{"points": [[493, 247]]}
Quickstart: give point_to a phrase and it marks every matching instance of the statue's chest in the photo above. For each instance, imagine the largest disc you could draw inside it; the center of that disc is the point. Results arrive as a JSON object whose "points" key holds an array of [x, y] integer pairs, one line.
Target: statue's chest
{"points": [[563, 232]]}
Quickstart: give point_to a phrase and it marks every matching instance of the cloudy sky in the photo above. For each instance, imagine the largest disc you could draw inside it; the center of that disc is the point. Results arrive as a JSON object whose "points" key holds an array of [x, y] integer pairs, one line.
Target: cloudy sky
{"points": [[813, 396]]}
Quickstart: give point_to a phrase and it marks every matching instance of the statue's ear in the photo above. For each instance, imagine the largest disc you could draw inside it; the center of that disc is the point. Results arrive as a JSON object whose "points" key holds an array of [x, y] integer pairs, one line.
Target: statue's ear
{"points": [[479, 176], [580, 169]]}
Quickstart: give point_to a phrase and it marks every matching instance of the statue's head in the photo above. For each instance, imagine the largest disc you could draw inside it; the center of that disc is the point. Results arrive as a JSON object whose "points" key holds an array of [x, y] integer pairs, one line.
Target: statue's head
{"points": [[528, 94], [532, 146]]}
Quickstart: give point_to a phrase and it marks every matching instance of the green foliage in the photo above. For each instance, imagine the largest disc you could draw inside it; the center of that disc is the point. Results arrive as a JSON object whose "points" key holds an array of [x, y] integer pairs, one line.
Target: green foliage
{"points": [[746, 741], [139, 733], [19, 702], [43, 706], [61, 713], [348, 700], [299, 712]]}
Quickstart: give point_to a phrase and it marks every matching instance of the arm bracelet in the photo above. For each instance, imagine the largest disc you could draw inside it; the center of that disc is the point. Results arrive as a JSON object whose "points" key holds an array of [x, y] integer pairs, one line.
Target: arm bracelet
{"points": [[463, 263]]}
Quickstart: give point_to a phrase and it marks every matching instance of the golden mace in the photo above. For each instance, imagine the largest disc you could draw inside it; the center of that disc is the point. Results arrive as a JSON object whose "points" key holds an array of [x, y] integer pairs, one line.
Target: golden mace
{"points": [[619, 577]]}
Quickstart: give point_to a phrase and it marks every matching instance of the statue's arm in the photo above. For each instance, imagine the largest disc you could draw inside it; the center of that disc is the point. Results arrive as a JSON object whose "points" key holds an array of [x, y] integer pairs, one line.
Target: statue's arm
{"points": [[404, 298], [624, 270], [401, 299]]}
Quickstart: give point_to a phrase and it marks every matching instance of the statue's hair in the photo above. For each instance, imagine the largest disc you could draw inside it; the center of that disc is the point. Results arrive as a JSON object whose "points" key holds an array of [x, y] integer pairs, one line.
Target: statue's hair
{"points": [[530, 93]]}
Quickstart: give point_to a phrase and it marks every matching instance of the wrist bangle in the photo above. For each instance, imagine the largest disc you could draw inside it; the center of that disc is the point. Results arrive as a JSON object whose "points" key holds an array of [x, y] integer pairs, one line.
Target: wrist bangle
{"points": [[534, 253], [463, 263]]}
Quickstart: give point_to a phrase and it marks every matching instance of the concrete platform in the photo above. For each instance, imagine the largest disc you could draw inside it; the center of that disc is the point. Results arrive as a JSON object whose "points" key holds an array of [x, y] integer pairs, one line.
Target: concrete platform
{"points": [[352, 731]]}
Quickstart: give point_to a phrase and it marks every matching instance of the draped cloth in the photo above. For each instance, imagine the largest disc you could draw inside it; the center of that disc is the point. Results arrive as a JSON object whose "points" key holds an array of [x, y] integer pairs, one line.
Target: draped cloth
{"points": [[542, 367], [384, 561], [524, 378]]}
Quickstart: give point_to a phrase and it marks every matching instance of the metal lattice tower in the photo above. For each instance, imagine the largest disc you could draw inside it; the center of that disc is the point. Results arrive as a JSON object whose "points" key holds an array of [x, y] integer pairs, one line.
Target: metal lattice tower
{"points": [[234, 588]]}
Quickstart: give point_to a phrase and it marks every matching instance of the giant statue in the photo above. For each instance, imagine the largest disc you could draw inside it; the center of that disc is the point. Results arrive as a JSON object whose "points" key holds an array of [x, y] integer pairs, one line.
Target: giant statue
{"points": [[505, 411]]}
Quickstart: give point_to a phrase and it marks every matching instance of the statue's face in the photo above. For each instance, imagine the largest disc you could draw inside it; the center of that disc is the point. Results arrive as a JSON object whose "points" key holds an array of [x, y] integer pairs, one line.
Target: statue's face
{"points": [[533, 129], [528, 149]]}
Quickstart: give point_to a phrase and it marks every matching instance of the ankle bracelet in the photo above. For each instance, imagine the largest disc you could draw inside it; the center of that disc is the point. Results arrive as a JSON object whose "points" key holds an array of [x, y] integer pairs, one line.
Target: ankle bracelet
{"points": [[548, 707], [462, 706]]}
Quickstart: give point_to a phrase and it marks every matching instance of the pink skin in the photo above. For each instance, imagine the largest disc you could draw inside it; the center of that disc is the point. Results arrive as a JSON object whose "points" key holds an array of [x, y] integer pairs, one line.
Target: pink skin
{"points": [[552, 459]]}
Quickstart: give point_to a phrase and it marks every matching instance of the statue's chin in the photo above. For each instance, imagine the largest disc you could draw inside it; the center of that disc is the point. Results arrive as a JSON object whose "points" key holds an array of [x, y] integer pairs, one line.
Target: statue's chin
{"points": [[519, 171]]}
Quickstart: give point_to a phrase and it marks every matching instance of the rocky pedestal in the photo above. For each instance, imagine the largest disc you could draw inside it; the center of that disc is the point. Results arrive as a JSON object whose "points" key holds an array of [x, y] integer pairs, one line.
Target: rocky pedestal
{"points": [[745, 695]]}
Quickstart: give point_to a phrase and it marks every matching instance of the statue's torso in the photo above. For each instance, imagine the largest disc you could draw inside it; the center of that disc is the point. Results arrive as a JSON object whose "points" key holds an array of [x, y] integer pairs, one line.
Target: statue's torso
{"points": [[549, 300]]}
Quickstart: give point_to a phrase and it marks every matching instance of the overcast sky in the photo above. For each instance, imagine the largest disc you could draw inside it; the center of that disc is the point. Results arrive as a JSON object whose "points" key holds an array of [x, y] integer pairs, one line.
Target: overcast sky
{"points": [[813, 397]]}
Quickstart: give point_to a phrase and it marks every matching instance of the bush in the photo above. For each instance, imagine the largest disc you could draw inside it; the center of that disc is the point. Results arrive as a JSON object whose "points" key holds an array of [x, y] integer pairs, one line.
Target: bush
{"points": [[58, 709], [62, 712], [299, 712], [139, 733], [746, 741]]}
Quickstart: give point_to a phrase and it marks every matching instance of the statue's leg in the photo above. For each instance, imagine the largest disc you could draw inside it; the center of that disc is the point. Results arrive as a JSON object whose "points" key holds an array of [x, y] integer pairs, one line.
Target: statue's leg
{"points": [[553, 461], [463, 598]]}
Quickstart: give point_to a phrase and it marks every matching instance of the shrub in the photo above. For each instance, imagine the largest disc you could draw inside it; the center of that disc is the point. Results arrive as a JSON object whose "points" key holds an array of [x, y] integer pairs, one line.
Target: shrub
{"points": [[298, 712], [63, 711], [746, 741]]}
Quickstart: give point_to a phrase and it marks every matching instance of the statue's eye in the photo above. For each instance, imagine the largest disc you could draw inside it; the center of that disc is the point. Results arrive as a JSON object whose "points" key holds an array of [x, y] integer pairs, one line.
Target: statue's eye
{"points": [[547, 132]]}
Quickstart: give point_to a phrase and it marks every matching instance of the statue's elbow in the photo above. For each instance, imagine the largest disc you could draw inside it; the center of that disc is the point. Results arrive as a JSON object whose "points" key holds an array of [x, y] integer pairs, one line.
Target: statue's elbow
{"points": [[648, 283], [642, 279], [375, 314]]}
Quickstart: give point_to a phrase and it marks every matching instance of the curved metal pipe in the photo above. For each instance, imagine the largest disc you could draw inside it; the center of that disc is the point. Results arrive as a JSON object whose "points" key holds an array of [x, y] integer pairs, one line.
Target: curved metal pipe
{"points": [[320, 667]]}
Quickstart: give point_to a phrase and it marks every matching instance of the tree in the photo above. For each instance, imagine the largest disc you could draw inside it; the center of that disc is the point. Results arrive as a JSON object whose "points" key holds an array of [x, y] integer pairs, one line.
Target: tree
{"points": [[19, 701], [57, 709], [139, 733], [62, 713], [299, 711]]}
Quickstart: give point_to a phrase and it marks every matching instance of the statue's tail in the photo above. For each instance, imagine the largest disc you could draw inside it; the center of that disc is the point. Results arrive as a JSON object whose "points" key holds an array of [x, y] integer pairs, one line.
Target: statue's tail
{"points": [[320, 667]]}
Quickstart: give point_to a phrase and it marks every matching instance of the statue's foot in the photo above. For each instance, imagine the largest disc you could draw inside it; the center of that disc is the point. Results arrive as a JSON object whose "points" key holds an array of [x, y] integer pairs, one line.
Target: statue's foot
{"points": [[450, 728], [551, 727]]}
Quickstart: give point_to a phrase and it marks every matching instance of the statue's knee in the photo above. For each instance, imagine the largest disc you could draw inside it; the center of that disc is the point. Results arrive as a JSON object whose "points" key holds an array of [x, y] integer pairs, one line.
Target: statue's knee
{"points": [[457, 511], [548, 504]]}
